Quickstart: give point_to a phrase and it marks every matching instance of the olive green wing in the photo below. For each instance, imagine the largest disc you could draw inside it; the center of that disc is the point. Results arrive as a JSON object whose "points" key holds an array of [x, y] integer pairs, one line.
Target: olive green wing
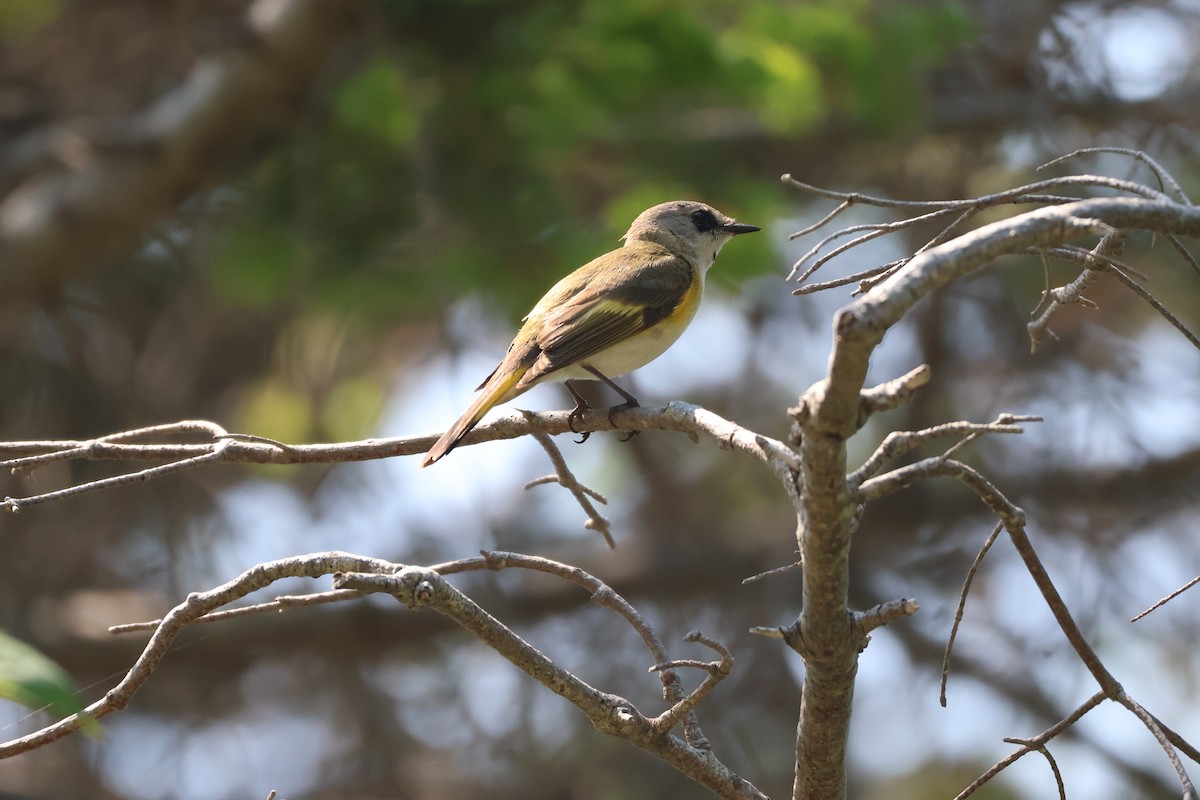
{"points": [[619, 303]]}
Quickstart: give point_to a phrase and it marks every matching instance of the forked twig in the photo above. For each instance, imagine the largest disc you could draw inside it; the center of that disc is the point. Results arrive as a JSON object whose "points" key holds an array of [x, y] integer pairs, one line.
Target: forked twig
{"points": [[582, 494], [355, 576], [1036, 743], [1111, 266], [1031, 193], [898, 443], [1165, 179], [194, 607]]}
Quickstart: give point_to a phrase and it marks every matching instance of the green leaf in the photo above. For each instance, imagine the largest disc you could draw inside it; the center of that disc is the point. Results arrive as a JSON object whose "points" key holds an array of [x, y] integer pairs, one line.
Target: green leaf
{"points": [[30, 679]]}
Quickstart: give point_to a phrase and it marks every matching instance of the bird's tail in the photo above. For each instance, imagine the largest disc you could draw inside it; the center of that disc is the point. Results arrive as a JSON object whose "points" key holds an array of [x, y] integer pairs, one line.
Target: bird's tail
{"points": [[496, 389]]}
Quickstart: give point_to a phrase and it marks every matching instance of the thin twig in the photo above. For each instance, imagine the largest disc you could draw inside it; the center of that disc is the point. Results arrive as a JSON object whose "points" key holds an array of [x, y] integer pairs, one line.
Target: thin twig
{"points": [[898, 443], [1045, 751], [195, 606], [1030, 745], [717, 672], [773, 572], [813, 288], [1156, 729], [1154, 303], [1029, 193], [962, 604], [1168, 598], [1184, 253], [282, 603], [15, 504], [604, 596], [1165, 179], [582, 494]]}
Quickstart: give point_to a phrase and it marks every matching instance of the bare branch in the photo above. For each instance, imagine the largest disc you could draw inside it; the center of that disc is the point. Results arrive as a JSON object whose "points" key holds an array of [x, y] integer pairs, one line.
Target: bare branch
{"points": [[583, 494], [1013, 521], [830, 412], [717, 671], [229, 448], [1165, 179], [1168, 598], [1110, 245], [420, 588], [898, 443], [962, 603], [1035, 744], [195, 606], [1160, 735], [884, 614], [896, 392]]}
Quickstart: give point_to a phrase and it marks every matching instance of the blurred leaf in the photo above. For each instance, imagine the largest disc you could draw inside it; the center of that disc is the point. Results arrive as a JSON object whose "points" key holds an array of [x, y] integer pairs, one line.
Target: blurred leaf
{"points": [[256, 267], [29, 678], [375, 103], [21, 17], [353, 407], [276, 410]]}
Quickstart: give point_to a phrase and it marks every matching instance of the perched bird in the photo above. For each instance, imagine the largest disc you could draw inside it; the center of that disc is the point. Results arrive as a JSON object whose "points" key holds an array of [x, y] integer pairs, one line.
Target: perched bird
{"points": [[612, 315]]}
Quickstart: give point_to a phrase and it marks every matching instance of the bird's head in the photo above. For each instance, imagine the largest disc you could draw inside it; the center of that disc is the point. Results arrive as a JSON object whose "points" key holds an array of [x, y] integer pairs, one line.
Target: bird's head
{"points": [[687, 228]]}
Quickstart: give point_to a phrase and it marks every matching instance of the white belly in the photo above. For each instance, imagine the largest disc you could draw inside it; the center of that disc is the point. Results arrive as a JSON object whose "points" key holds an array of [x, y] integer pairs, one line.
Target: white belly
{"points": [[625, 357]]}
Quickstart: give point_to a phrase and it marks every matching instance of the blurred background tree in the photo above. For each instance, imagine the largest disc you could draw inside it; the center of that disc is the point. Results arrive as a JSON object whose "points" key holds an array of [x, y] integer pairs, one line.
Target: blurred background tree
{"points": [[344, 251]]}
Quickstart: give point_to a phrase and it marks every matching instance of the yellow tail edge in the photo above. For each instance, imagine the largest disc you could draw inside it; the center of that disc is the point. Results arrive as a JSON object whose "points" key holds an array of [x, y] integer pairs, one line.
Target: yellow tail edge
{"points": [[492, 393]]}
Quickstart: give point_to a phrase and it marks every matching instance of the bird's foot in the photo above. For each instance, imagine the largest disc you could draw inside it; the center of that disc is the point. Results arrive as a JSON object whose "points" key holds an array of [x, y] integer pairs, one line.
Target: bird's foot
{"points": [[581, 408], [630, 403]]}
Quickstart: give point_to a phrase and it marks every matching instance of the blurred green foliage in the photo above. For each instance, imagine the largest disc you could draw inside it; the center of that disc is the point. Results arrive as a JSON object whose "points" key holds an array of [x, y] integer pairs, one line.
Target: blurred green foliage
{"points": [[459, 161], [21, 17], [495, 147], [29, 678]]}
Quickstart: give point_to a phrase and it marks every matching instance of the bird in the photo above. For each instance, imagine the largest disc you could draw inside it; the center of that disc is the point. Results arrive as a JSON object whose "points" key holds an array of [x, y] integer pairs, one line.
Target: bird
{"points": [[611, 316]]}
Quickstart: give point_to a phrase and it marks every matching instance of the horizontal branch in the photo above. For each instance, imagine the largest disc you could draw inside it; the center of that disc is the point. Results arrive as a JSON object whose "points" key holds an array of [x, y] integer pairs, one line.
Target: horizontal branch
{"points": [[197, 605], [224, 448], [418, 587]]}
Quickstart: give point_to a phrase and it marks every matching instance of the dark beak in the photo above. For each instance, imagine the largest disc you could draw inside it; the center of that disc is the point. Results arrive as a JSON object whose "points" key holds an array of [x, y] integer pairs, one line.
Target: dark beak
{"points": [[739, 227]]}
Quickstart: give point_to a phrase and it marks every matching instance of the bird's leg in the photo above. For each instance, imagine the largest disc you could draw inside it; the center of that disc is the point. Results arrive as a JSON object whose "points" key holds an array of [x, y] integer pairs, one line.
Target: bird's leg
{"points": [[630, 400], [581, 407]]}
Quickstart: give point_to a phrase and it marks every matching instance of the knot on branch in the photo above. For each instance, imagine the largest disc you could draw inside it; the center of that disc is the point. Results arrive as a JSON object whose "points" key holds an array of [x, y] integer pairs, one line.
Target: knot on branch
{"points": [[415, 587]]}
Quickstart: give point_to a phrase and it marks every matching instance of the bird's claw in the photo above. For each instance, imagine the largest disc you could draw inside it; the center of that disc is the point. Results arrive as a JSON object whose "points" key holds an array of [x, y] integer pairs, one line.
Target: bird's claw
{"points": [[618, 409], [581, 407]]}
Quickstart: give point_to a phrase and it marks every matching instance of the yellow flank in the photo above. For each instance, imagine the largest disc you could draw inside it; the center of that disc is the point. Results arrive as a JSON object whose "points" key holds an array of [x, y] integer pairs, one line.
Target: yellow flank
{"points": [[616, 313], [642, 345]]}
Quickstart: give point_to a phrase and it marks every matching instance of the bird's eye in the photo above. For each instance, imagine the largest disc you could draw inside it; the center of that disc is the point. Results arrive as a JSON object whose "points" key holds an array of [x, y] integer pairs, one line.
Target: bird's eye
{"points": [[704, 220]]}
